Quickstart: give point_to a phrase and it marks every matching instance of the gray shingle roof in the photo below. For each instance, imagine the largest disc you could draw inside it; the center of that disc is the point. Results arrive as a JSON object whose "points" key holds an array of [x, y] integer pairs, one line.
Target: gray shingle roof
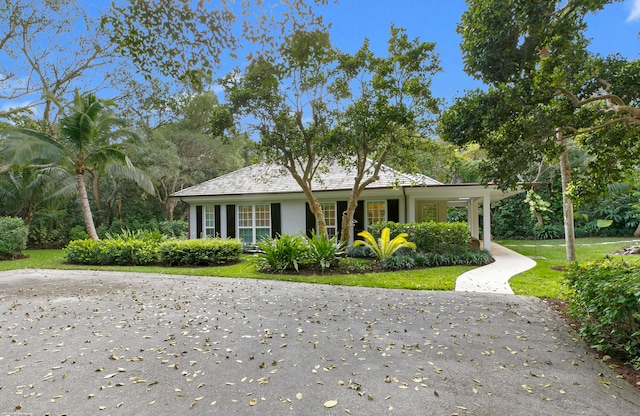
{"points": [[263, 178]]}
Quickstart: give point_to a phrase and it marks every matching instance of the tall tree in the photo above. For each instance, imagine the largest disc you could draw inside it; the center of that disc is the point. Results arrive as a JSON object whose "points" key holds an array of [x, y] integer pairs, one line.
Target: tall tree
{"points": [[48, 49], [186, 151], [316, 105], [389, 112], [289, 103], [90, 141], [197, 35], [533, 55]]}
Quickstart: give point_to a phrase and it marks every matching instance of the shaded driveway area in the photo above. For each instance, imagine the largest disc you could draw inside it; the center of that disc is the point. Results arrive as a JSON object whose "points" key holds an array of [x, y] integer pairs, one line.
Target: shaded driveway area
{"points": [[109, 343]]}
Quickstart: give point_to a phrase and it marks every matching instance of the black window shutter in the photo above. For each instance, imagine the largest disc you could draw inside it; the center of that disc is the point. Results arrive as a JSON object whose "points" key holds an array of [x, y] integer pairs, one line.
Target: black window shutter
{"points": [[198, 221], [310, 220], [358, 217], [217, 222], [231, 221], [341, 207], [276, 220], [393, 210]]}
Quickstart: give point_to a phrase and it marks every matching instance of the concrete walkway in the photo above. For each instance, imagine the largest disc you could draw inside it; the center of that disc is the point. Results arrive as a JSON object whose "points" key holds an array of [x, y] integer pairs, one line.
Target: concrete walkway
{"points": [[494, 277]]}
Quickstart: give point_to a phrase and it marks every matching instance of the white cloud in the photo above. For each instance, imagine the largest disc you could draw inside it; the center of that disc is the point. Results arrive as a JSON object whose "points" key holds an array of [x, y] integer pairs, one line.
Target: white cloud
{"points": [[635, 11]]}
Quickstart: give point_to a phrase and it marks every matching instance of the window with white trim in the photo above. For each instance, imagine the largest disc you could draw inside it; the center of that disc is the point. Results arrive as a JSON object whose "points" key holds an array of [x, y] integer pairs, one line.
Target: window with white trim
{"points": [[329, 211], [209, 221], [376, 212], [254, 222]]}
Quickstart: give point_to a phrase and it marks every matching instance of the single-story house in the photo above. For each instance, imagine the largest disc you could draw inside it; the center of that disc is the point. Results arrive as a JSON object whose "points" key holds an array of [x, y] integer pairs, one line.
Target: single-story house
{"points": [[264, 200]]}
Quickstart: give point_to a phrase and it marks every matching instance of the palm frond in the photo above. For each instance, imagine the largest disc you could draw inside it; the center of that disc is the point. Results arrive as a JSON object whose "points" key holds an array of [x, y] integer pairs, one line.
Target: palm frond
{"points": [[132, 173]]}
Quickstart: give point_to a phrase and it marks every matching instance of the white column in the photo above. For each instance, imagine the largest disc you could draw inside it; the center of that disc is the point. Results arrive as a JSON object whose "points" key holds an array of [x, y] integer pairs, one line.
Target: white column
{"points": [[193, 222], [486, 223], [411, 211], [472, 218], [223, 222]]}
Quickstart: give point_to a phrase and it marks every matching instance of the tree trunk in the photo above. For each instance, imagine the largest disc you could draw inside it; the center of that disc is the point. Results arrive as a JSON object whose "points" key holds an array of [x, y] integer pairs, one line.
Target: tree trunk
{"points": [[567, 203], [539, 217], [86, 208], [636, 233], [359, 185], [170, 208], [314, 205], [347, 217], [316, 208]]}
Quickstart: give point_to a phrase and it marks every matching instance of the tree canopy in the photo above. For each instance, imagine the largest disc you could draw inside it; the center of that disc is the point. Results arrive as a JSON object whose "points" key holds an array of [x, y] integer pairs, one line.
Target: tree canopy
{"points": [[315, 105], [197, 36], [545, 90]]}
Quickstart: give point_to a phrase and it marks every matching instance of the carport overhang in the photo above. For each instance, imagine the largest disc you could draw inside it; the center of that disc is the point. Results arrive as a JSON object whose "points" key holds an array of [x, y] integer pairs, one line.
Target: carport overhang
{"points": [[468, 195]]}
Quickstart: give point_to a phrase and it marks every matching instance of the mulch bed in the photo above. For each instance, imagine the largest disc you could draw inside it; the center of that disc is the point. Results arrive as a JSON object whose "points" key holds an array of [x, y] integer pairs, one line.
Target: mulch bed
{"points": [[627, 372]]}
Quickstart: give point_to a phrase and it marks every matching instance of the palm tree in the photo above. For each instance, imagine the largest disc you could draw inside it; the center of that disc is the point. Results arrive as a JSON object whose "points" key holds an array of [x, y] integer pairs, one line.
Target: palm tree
{"points": [[90, 140], [24, 191]]}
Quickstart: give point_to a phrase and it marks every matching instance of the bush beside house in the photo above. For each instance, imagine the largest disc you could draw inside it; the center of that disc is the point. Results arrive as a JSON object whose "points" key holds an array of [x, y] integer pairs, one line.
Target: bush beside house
{"points": [[429, 237], [436, 245]]}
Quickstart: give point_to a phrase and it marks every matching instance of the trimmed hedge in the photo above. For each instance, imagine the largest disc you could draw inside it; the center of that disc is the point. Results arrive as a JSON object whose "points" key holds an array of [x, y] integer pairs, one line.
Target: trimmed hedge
{"points": [[429, 237], [605, 298], [112, 252], [140, 252], [13, 237], [200, 252]]}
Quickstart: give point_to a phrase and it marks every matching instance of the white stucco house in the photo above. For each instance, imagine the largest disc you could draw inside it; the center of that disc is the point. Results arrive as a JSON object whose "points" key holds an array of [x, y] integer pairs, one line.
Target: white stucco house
{"points": [[264, 200]]}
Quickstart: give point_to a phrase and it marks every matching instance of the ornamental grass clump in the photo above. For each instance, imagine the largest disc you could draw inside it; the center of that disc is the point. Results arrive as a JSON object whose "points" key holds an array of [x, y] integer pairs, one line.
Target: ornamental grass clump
{"points": [[384, 246]]}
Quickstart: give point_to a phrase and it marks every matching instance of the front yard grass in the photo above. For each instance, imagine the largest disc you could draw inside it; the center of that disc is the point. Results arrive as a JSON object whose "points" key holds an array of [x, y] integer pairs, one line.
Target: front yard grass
{"points": [[546, 279], [439, 278]]}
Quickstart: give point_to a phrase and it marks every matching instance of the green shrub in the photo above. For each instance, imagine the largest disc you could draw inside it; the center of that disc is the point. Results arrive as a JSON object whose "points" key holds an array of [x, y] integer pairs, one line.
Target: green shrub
{"points": [[605, 297], [407, 259], [361, 252], [200, 252], [86, 252], [399, 261], [176, 229], [13, 237], [282, 253], [140, 235], [112, 252], [465, 257], [548, 232], [432, 237], [78, 232], [323, 251]]}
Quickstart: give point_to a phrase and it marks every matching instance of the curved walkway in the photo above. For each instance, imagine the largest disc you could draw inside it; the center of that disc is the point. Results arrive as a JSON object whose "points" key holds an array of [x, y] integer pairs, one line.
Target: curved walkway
{"points": [[494, 277]]}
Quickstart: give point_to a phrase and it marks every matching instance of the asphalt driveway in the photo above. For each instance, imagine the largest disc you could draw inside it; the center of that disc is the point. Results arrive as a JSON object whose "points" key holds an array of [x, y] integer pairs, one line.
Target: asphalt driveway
{"points": [[108, 343]]}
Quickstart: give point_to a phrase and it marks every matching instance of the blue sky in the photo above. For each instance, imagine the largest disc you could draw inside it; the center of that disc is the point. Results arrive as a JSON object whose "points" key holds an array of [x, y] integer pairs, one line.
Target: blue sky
{"points": [[615, 29]]}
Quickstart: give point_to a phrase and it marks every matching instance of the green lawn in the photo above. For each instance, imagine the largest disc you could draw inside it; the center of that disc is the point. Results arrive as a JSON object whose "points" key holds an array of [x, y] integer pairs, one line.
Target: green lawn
{"points": [[545, 279], [441, 278]]}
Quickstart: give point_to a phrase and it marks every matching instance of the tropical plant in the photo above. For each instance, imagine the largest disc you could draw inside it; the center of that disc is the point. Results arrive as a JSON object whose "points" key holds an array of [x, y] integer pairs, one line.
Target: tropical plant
{"points": [[91, 140], [323, 251], [25, 191], [282, 253], [384, 246]]}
